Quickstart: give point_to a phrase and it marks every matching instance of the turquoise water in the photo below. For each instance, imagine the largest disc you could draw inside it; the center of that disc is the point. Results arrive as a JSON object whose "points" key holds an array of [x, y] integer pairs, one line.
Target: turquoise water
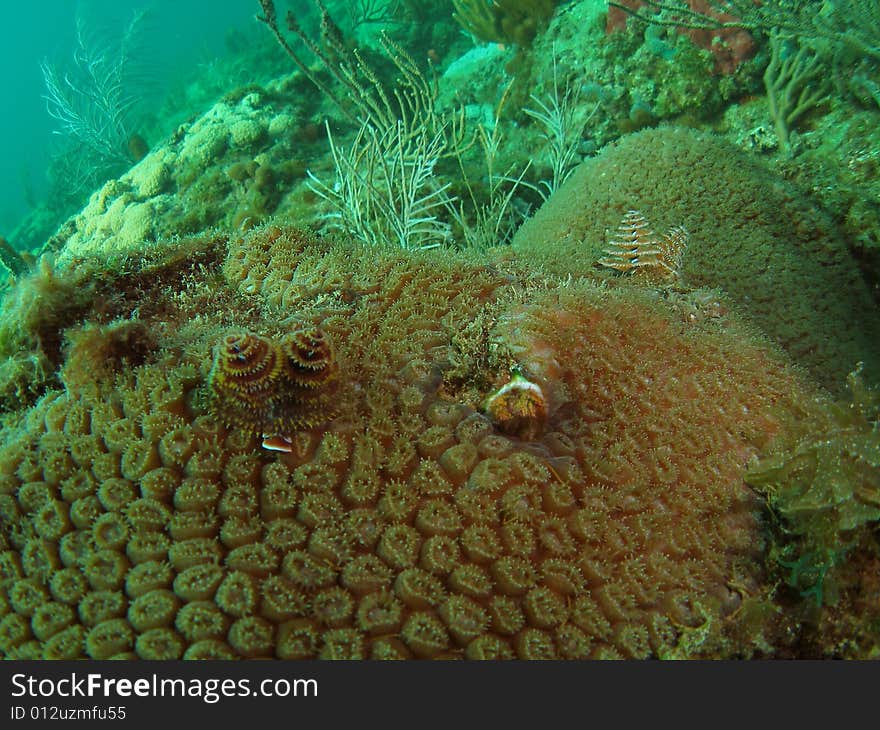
{"points": [[174, 41]]}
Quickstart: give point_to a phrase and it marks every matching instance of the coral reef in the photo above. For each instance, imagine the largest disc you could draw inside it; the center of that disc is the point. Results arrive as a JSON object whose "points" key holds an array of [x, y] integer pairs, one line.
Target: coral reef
{"points": [[621, 81], [781, 261], [135, 523], [83, 323], [264, 443], [504, 21], [837, 160], [96, 352], [231, 168], [729, 45], [36, 310]]}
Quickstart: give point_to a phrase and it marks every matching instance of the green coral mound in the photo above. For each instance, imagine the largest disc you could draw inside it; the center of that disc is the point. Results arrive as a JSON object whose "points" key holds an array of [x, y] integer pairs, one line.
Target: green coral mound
{"points": [[778, 257]]}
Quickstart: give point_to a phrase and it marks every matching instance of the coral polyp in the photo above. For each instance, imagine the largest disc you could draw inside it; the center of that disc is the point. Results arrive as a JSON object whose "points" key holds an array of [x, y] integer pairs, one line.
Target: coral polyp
{"points": [[272, 386]]}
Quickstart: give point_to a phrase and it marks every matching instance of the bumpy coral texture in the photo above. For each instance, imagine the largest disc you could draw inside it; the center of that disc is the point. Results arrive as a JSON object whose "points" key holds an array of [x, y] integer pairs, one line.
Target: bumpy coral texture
{"points": [[136, 524], [227, 168], [780, 259]]}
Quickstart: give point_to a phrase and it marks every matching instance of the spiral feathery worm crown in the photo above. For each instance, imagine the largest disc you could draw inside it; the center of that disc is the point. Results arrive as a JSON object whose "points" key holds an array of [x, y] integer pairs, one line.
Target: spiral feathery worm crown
{"points": [[272, 385], [635, 249], [309, 359], [246, 364]]}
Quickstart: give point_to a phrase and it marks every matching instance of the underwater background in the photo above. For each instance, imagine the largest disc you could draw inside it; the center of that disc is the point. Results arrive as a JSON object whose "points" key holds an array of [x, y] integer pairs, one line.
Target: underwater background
{"points": [[174, 40], [416, 329]]}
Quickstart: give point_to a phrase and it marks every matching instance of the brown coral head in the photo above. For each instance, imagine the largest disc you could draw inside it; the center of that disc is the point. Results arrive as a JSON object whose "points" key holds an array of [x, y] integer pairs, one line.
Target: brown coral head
{"points": [[309, 357], [245, 363]]}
